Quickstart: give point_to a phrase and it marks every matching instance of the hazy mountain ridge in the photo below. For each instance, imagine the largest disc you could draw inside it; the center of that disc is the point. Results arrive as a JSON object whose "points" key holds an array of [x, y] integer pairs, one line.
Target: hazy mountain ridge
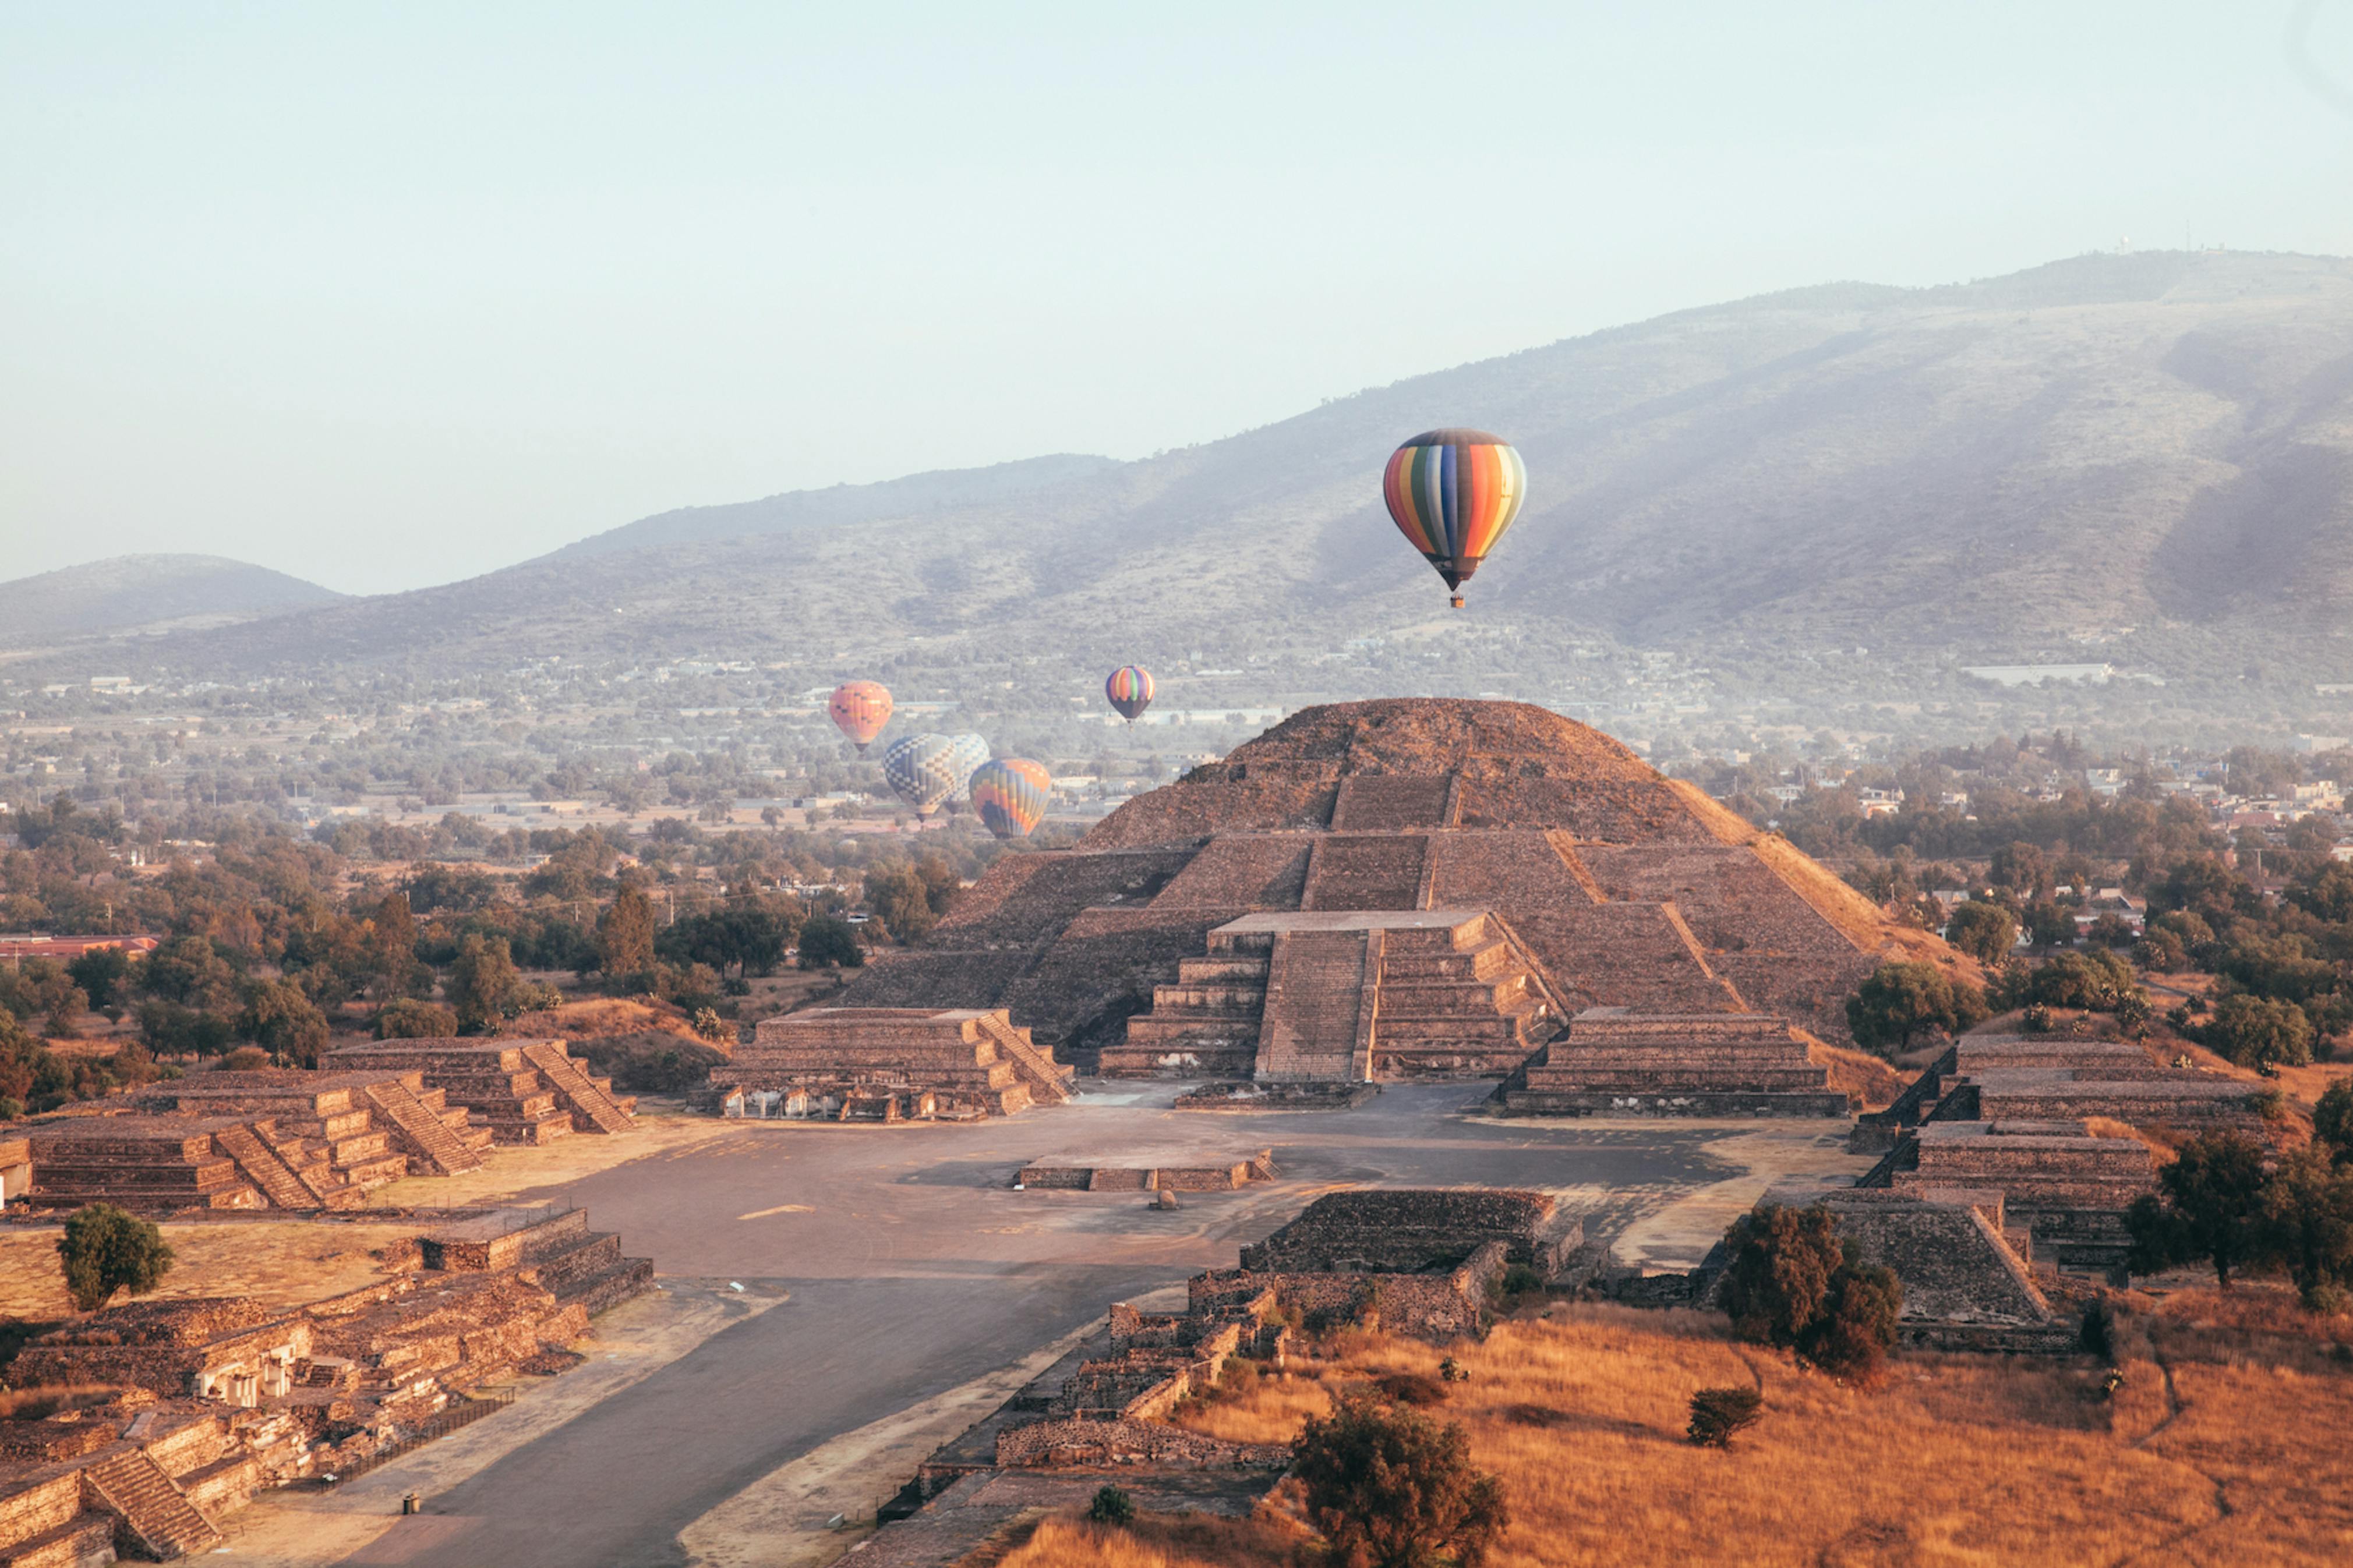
{"points": [[152, 593], [2161, 442], [837, 506]]}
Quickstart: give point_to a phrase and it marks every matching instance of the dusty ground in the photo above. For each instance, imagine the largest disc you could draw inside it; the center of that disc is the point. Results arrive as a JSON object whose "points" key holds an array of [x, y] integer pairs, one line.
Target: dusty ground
{"points": [[280, 1263], [2198, 1459], [662, 1130]]}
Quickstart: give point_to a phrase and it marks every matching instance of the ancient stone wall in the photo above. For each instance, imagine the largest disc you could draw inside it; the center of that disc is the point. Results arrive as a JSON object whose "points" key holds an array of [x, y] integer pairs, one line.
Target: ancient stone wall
{"points": [[1415, 1230]]}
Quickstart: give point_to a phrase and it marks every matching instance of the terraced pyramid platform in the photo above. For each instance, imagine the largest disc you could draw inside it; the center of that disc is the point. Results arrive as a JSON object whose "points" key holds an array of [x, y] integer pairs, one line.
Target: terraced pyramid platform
{"points": [[1396, 889]]}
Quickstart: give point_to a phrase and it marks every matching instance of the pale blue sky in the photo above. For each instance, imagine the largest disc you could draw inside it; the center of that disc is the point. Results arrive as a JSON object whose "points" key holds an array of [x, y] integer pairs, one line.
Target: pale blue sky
{"points": [[387, 295]]}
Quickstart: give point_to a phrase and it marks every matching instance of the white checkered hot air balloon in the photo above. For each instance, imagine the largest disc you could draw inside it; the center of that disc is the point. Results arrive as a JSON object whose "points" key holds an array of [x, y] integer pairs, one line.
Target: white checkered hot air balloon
{"points": [[922, 771]]}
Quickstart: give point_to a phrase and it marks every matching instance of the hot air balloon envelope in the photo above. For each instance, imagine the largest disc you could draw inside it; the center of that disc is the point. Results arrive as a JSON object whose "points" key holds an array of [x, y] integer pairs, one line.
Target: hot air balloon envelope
{"points": [[920, 770], [969, 752], [1453, 494], [1130, 690], [1010, 793], [859, 710]]}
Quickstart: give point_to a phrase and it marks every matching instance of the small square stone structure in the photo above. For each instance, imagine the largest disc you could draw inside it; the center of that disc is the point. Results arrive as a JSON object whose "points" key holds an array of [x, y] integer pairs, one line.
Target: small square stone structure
{"points": [[1416, 1230]]}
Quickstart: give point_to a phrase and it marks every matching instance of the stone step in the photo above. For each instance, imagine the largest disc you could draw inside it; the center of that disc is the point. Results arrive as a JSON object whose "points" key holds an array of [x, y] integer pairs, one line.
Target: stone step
{"points": [[1211, 971], [82, 1541], [591, 1105], [1677, 1102], [1209, 998], [133, 1487], [1565, 1055], [1615, 1082]]}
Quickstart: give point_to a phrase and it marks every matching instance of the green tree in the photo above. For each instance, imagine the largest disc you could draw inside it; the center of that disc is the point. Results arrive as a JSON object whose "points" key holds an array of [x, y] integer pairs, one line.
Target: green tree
{"points": [[1390, 1487], [105, 1251], [1792, 1282], [625, 934], [827, 941], [103, 973], [1900, 1001], [282, 1021], [2209, 1206], [1985, 931], [485, 989], [2308, 1225], [899, 896], [2023, 869], [391, 946], [2258, 1031]]}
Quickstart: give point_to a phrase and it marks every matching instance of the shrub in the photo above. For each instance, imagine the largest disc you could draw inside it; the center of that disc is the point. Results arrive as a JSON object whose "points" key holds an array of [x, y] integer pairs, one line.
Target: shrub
{"points": [[1413, 1388], [2258, 1032], [1111, 1506], [1717, 1414], [1390, 1488], [1793, 1283], [245, 1058], [104, 1250], [407, 1018]]}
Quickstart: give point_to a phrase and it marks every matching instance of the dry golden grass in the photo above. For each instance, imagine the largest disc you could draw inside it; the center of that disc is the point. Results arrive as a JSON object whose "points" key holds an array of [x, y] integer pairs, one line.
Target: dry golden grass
{"points": [[1161, 1540], [1858, 1074], [280, 1263], [1951, 1460]]}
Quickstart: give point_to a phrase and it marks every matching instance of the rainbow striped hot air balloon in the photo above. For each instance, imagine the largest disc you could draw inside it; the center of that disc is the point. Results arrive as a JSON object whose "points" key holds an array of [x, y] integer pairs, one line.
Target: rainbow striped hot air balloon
{"points": [[1130, 690], [920, 770], [1010, 793], [859, 710], [1454, 493]]}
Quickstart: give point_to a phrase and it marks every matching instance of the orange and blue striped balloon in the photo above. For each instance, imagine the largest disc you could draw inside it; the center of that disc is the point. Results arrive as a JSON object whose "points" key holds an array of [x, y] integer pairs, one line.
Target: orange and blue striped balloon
{"points": [[1454, 493], [1010, 793], [1130, 690]]}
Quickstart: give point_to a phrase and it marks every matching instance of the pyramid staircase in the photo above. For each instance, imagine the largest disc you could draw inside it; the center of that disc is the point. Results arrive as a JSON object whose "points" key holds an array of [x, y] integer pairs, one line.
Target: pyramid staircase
{"points": [[153, 1518], [1616, 1062], [523, 1091], [1048, 1080], [291, 1173], [1204, 1026], [436, 1136], [1345, 995], [1457, 1002]]}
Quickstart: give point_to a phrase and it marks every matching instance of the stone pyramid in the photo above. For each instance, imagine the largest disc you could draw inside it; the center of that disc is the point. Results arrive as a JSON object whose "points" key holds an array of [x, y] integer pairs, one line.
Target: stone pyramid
{"points": [[1397, 889]]}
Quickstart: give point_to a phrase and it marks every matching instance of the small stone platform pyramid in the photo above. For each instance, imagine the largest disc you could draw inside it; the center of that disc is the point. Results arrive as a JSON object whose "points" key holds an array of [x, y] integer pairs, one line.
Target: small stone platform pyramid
{"points": [[895, 1063], [1614, 1062], [376, 1126], [523, 1091]]}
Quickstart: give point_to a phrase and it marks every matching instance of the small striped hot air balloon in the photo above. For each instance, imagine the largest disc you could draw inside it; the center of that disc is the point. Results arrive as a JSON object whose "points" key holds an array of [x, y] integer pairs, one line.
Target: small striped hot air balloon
{"points": [[969, 751], [1010, 793], [859, 710], [1130, 690], [920, 770], [1454, 493]]}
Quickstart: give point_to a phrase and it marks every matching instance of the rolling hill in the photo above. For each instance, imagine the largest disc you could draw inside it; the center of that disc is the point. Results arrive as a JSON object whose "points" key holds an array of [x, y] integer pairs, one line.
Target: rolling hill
{"points": [[151, 594], [2155, 449]]}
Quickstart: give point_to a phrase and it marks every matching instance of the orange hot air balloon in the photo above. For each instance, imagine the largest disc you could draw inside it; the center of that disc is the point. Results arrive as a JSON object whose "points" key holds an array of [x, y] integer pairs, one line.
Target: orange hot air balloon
{"points": [[1453, 493], [859, 710]]}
